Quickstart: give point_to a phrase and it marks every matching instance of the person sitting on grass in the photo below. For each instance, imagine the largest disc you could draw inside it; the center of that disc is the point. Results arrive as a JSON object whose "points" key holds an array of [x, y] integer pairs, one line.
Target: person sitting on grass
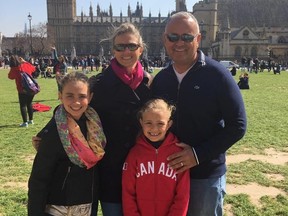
{"points": [[244, 81]]}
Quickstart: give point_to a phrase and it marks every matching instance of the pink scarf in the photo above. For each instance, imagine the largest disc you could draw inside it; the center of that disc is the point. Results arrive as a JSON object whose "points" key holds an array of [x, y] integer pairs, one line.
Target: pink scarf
{"points": [[82, 152], [134, 79]]}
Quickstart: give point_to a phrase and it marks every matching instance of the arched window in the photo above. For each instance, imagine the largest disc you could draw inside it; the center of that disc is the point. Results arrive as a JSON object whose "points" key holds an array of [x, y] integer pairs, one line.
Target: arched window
{"points": [[281, 39]]}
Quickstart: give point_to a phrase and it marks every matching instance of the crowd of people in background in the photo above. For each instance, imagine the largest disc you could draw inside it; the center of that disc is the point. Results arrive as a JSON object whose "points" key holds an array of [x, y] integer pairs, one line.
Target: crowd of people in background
{"points": [[200, 134], [93, 63], [44, 65], [256, 65]]}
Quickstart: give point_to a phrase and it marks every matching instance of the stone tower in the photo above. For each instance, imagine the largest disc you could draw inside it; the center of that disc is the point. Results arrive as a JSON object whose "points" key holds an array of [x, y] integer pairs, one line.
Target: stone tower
{"points": [[61, 14], [181, 5], [206, 13]]}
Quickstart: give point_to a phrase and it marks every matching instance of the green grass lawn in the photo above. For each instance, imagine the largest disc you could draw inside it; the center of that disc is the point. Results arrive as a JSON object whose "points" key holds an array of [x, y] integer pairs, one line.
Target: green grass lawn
{"points": [[267, 112]]}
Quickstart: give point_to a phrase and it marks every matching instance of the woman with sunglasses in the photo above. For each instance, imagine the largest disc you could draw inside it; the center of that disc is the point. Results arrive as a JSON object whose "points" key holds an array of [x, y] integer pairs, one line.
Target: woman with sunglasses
{"points": [[118, 94]]}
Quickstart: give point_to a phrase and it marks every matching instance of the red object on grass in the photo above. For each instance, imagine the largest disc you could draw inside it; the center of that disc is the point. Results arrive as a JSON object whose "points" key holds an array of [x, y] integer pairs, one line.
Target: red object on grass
{"points": [[37, 107]]}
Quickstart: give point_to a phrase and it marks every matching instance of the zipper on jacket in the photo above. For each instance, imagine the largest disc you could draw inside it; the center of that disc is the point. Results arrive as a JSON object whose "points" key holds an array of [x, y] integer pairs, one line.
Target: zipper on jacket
{"points": [[177, 101], [93, 176], [156, 182], [136, 95], [178, 90], [64, 182]]}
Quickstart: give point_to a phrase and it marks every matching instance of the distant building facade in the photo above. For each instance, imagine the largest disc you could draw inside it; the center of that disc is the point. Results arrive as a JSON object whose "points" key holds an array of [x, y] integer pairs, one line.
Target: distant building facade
{"points": [[85, 32], [230, 29], [251, 28], [220, 40]]}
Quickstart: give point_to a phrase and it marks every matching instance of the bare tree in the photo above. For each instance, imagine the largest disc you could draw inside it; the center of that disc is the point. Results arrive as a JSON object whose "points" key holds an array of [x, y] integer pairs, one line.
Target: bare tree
{"points": [[21, 44], [41, 43]]}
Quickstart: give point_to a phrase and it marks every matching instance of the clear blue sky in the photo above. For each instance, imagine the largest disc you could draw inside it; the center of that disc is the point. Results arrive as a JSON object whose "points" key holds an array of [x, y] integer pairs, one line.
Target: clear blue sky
{"points": [[13, 15]]}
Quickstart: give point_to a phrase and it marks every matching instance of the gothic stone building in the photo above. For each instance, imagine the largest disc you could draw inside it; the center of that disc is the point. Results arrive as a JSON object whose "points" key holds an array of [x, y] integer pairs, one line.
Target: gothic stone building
{"points": [[85, 32], [230, 28], [252, 28]]}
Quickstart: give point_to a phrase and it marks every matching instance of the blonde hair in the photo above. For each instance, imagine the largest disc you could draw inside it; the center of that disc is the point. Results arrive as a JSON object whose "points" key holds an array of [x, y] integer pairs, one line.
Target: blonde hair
{"points": [[156, 104], [125, 28]]}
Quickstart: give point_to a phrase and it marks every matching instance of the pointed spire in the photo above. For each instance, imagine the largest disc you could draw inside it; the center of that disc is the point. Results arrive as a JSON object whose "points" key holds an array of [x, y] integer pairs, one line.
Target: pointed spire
{"points": [[129, 10], [141, 11], [98, 10], [82, 16], [91, 10], [227, 24], [110, 10]]}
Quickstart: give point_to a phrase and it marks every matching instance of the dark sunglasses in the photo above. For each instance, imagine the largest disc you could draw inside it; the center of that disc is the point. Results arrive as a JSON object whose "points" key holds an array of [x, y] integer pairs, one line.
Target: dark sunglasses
{"points": [[184, 37], [122, 47]]}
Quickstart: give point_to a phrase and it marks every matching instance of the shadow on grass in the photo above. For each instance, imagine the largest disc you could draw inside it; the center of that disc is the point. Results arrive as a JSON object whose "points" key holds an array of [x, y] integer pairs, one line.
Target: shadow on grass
{"points": [[36, 101], [10, 126]]}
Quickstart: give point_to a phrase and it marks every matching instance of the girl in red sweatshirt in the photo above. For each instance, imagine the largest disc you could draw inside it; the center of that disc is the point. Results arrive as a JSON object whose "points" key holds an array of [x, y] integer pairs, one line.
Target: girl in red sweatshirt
{"points": [[149, 186]]}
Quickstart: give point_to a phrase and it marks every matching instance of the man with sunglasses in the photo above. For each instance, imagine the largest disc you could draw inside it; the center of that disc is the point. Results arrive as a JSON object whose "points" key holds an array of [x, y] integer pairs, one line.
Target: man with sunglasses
{"points": [[210, 115]]}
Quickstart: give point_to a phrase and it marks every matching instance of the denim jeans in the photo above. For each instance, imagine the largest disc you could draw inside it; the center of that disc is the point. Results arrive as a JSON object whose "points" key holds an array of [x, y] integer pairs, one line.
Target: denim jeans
{"points": [[111, 209], [207, 196]]}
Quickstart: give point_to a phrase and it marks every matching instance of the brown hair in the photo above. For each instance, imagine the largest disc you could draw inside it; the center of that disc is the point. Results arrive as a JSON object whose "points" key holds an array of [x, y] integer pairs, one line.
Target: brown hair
{"points": [[14, 61], [73, 76]]}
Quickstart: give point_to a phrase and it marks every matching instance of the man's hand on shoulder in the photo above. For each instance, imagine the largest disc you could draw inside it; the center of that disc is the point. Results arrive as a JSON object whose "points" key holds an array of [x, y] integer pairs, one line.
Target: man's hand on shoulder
{"points": [[182, 160]]}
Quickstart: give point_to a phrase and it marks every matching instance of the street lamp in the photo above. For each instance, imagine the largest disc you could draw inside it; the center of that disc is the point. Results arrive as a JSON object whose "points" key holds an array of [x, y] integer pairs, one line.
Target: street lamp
{"points": [[30, 19]]}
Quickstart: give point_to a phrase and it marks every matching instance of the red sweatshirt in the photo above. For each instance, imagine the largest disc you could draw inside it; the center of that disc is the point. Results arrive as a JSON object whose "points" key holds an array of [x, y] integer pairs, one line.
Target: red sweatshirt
{"points": [[14, 73], [149, 186]]}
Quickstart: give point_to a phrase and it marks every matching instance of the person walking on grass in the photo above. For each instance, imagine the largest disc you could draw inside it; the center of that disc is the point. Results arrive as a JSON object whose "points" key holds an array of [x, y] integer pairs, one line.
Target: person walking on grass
{"points": [[17, 66]]}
